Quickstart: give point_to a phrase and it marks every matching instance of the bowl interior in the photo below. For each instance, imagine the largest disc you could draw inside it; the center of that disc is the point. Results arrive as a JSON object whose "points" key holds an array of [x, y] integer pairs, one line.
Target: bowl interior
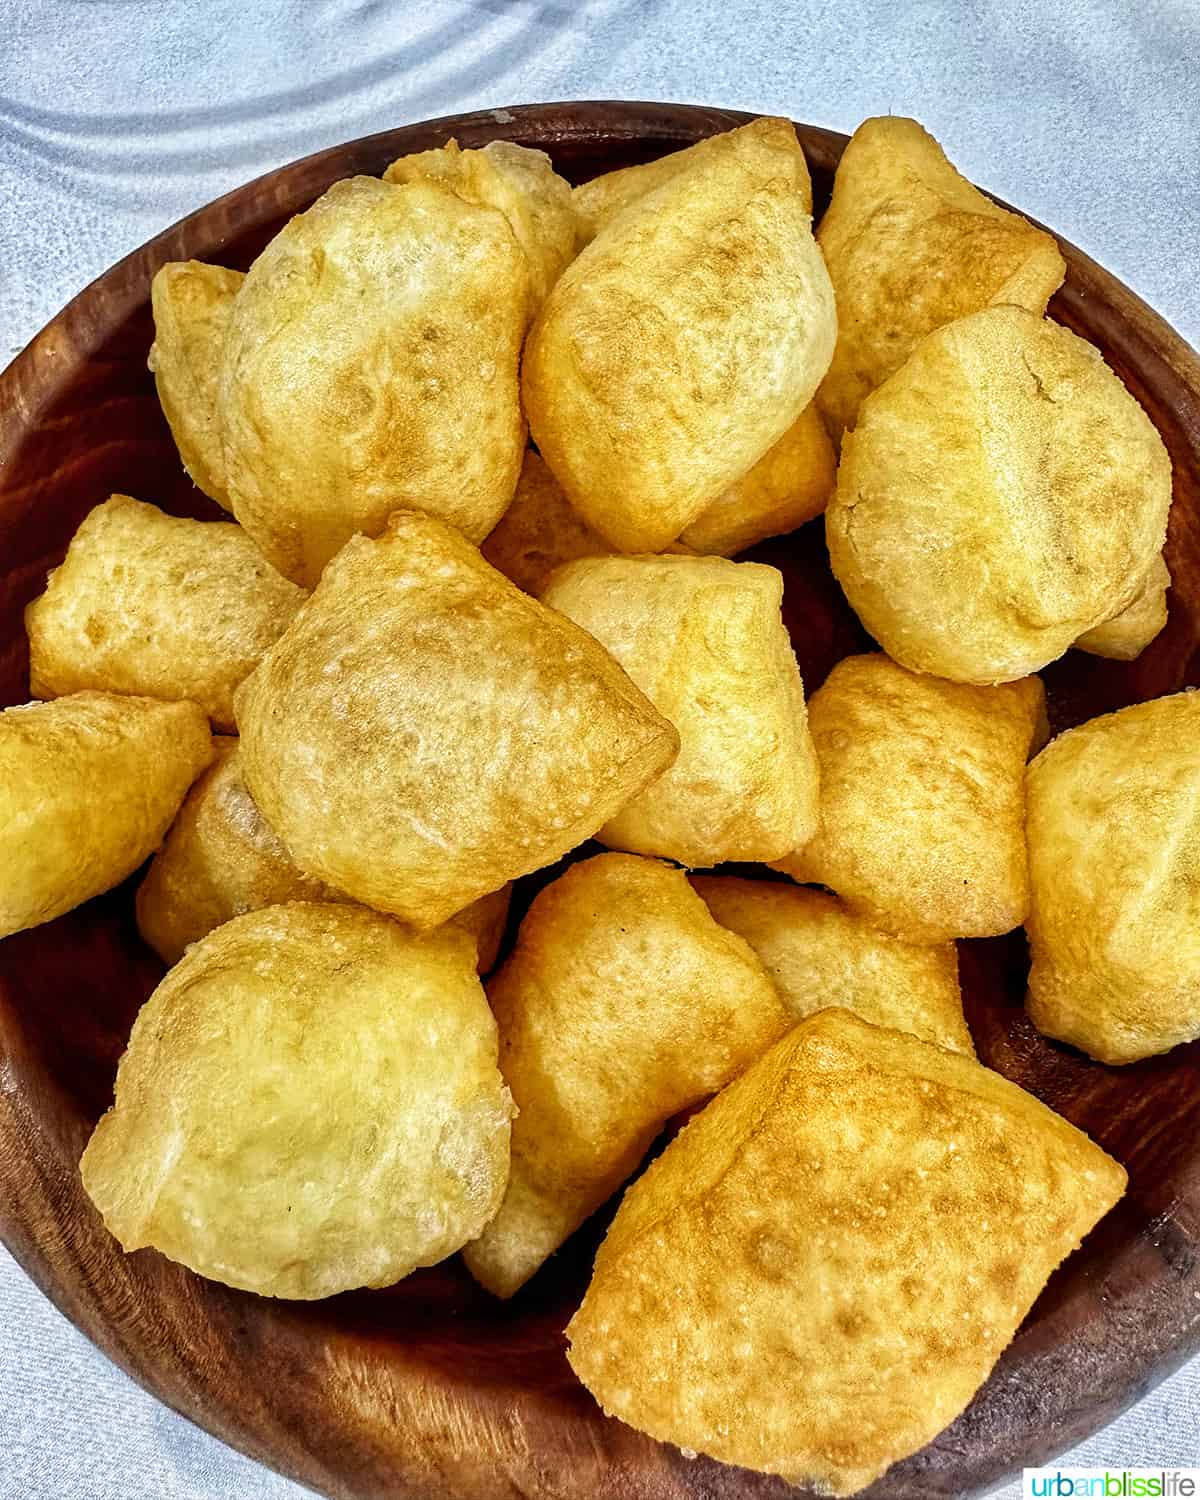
{"points": [[433, 1387]]}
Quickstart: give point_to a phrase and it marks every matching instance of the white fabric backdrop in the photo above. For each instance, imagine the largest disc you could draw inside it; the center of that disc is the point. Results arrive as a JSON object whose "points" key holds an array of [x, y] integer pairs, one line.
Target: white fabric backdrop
{"points": [[119, 116]]}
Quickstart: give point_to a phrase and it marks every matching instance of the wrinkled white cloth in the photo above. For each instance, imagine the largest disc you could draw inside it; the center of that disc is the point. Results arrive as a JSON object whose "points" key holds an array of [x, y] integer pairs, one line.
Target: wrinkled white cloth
{"points": [[119, 116]]}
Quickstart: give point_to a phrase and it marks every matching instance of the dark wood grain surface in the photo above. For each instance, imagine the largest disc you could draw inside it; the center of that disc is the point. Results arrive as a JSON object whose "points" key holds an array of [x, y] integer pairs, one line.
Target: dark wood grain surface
{"points": [[432, 1389]]}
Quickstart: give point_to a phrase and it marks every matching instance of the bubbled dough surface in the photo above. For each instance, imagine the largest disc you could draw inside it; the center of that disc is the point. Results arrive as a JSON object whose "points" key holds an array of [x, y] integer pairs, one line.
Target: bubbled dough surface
{"points": [[519, 182], [88, 786], [371, 364], [192, 303], [857, 1227], [818, 953], [147, 603], [704, 639], [623, 1003], [911, 245], [1114, 858], [683, 341], [1001, 494], [424, 732], [922, 799], [309, 1102]]}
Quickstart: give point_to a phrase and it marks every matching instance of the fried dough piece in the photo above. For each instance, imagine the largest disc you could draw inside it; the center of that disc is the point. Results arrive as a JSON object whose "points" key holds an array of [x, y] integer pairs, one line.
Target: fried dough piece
{"points": [[522, 184], [1126, 636], [922, 807], [683, 342], [88, 786], [789, 485], [222, 858], [309, 1102], [370, 365], [911, 246], [623, 1003], [817, 954], [157, 605], [599, 201], [424, 732], [704, 640], [1114, 867], [1001, 495], [819, 1272], [192, 303]]}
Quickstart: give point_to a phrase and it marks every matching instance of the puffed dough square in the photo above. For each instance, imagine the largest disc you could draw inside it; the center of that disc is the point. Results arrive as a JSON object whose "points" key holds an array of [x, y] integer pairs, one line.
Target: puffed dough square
{"points": [[1114, 864], [424, 732], [704, 639], [371, 365], [922, 805], [819, 1272], [309, 1103], [623, 1003], [684, 341], [911, 245], [88, 786], [818, 953], [192, 303], [158, 605]]}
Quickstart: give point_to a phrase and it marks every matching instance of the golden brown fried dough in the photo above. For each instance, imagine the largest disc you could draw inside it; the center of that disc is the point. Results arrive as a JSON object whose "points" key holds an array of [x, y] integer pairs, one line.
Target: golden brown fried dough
{"points": [[817, 954], [221, 858], [790, 484], [156, 605], [539, 531], [309, 1102], [599, 201], [1126, 636], [910, 246], [1114, 868], [819, 1272], [192, 303], [520, 183], [683, 342], [922, 808], [371, 364], [1001, 495], [704, 640], [88, 786], [424, 732], [623, 1003]]}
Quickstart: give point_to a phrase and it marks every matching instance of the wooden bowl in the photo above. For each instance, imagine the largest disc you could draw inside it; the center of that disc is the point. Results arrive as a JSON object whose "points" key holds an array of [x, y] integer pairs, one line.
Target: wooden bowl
{"points": [[433, 1389]]}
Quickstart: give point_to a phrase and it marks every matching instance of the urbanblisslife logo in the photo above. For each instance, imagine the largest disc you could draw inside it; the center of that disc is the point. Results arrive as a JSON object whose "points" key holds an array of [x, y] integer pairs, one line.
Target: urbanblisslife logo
{"points": [[1112, 1484]]}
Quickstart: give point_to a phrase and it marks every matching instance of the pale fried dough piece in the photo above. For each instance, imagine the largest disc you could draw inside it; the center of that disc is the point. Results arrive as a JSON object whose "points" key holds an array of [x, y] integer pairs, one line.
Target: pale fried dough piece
{"points": [[922, 806], [192, 303], [370, 365], [599, 201], [910, 246], [157, 605], [623, 1003], [1001, 495], [819, 1272], [522, 184], [1114, 864], [704, 640], [539, 531], [424, 732], [309, 1102], [88, 786], [818, 953], [222, 858], [683, 342], [1126, 636]]}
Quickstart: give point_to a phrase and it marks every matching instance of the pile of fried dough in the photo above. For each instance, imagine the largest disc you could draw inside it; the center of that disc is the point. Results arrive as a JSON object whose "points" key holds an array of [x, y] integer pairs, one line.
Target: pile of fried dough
{"points": [[425, 659]]}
